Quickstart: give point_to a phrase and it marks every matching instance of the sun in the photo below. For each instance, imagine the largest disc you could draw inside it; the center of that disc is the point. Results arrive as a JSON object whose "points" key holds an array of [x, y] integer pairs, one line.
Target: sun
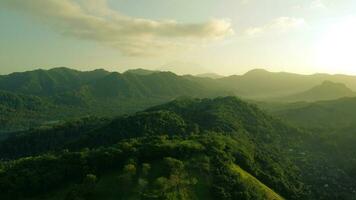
{"points": [[336, 47]]}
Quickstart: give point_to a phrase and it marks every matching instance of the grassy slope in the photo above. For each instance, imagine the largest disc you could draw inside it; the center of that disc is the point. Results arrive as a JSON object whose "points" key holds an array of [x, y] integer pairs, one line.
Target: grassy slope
{"points": [[108, 188], [269, 193]]}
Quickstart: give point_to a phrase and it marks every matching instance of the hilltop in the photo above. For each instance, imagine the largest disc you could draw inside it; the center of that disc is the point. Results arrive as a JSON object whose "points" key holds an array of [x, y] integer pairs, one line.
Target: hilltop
{"points": [[326, 91], [68, 93], [222, 148], [230, 140], [262, 84]]}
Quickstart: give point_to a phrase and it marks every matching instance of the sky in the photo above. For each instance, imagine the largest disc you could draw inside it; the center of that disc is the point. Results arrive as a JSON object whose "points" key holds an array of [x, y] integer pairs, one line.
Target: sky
{"points": [[200, 36]]}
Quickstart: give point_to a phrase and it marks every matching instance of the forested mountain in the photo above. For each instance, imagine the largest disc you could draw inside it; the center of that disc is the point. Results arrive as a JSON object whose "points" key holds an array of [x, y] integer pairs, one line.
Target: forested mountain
{"points": [[172, 141], [210, 75], [322, 115], [66, 93], [220, 148], [261, 84], [333, 125], [326, 91], [133, 83], [20, 110], [48, 82], [177, 111], [254, 84]]}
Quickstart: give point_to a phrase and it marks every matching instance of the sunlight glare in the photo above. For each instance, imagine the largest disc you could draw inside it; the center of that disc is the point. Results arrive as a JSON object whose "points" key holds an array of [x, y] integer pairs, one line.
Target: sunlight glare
{"points": [[336, 47]]}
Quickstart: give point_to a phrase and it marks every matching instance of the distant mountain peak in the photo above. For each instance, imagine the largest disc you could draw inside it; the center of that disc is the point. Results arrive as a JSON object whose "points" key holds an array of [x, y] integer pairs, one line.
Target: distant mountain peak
{"points": [[331, 83], [210, 75], [258, 71], [141, 71], [334, 86], [61, 69], [327, 90]]}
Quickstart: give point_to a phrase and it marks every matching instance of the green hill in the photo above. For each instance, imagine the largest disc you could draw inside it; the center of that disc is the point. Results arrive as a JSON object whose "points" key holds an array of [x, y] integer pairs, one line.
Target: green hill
{"points": [[222, 148], [328, 115], [261, 84], [48, 82], [69, 93], [18, 111], [333, 128], [209, 75], [188, 157], [267, 192], [326, 91], [141, 71]]}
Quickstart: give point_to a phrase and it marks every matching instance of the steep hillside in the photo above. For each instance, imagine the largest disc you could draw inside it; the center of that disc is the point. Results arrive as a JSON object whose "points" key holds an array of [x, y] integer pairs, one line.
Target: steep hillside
{"points": [[210, 75], [71, 93], [48, 82], [221, 148], [233, 141], [261, 84], [326, 91], [103, 93], [140, 71], [18, 111], [327, 115], [333, 126], [159, 85]]}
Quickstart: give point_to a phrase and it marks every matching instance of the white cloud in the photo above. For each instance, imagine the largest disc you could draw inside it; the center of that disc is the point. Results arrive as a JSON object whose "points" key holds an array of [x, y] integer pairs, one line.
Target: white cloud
{"points": [[245, 1], [94, 20], [317, 4], [278, 25]]}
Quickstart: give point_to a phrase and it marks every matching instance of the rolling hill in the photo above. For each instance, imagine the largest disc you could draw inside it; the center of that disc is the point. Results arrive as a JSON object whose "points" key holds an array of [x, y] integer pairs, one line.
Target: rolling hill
{"points": [[326, 91], [65, 93], [221, 157], [210, 75], [262, 84], [221, 148], [69, 93], [322, 115], [48, 82]]}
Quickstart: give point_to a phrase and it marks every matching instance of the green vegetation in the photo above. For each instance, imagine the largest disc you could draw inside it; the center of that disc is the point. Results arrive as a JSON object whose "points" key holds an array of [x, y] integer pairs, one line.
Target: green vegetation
{"points": [[323, 115], [66, 134], [261, 84], [47, 96], [326, 91], [39, 97], [165, 152], [331, 149]]}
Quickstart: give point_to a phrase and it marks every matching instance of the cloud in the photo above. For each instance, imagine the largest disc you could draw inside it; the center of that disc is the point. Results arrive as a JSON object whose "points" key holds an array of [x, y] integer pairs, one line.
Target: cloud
{"points": [[244, 2], [278, 25], [94, 20], [317, 4], [312, 6]]}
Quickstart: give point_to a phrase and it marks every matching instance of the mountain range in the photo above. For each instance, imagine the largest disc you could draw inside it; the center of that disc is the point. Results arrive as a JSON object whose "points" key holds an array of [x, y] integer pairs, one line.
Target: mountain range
{"points": [[147, 134], [261, 84], [221, 148], [62, 93], [326, 91]]}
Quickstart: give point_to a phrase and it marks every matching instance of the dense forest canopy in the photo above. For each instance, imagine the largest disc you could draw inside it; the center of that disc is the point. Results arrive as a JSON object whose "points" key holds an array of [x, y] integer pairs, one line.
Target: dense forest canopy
{"points": [[162, 101], [221, 148], [61, 93], [143, 134]]}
